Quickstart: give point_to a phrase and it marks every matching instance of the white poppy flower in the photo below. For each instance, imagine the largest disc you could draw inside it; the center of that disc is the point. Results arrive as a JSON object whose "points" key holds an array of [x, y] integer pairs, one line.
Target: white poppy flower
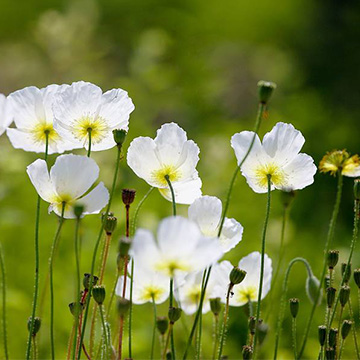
{"points": [[68, 183], [180, 248], [277, 156], [169, 154], [206, 211], [147, 285], [32, 111], [83, 107], [6, 117], [248, 289]]}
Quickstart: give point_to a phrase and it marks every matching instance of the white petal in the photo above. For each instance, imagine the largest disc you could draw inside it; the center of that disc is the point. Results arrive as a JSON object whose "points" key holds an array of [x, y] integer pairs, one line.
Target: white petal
{"points": [[119, 287], [206, 212], [185, 192], [73, 175], [186, 163], [39, 176], [142, 159], [283, 142], [6, 115], [231, 234], [95, 200], [299, 173], [219, 280]]}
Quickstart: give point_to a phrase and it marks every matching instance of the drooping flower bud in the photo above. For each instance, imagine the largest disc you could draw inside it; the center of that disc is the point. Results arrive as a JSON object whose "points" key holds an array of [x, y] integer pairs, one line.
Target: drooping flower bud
{"points": [[36, 325], [119, 136], [78, 210], [237, 275], [265, 90], [124, 246], [344, 295], [357, 277], [330, 296], [215, 306], [162, 324], [247, 352], [86, 280], [345, 328], [128, 196], [312, 288], [322, 334], [110, 222], [357, 189], [332, 258], [294, 307], [346, 272], [123, 306], [333, 332], [174, 314], [99, 293], [287, 197]]}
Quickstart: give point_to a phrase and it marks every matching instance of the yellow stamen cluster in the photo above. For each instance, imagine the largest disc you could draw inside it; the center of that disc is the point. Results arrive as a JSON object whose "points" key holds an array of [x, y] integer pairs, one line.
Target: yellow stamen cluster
{"points": [[278, 177], [339, 160], [43, 129], [194, 294], [59, 200], [97, 126], [169, 170], [151, 293], [170, 266], [247, 294]]}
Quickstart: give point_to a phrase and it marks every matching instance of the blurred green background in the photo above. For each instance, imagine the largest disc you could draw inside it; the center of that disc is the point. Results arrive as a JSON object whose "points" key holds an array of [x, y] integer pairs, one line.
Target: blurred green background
{"points": [[196, 63]]}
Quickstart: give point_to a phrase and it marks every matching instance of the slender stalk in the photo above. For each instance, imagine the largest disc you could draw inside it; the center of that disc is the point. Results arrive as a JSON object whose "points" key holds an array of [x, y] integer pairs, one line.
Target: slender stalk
{"points": [[101, 310], [171, 300], [122, 316], [35, 354], [224, 326], [172, 194], [261, 109], [216, 335], [118, 158], [167, 340], [154, 330], [121, 328], [131, 308], [294, 337], [89, 148], [283, 298], [341, 348], [37, 258], [70, 342], [353, 329], [198, 340], [3, 277], [51, 262], [137, 210], [328, 242], [258, 309]]}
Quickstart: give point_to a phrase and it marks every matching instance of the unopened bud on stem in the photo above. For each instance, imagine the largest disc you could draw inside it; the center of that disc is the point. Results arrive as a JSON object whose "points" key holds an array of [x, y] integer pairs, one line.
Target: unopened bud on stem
{"points": [[36, 325], [265, 90], [294, 307]]}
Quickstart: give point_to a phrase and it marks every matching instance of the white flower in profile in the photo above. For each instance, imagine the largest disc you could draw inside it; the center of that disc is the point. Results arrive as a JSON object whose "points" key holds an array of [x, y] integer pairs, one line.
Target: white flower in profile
{"points": [[248, 289], [180, 248], [6, 117], [31, 109], [170, 155], [83, 108], [68, 183], [278, 156], [206, 211], [148, 286]]}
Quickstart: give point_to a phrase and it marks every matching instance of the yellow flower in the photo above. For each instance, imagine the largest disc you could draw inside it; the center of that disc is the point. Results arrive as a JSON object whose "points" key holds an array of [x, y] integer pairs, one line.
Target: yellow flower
{"points": [[340, 160]]}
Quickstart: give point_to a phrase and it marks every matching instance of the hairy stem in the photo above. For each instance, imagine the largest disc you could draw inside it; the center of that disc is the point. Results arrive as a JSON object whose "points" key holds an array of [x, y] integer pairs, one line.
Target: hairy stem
{"points": [[3, 286], [224, 326]]}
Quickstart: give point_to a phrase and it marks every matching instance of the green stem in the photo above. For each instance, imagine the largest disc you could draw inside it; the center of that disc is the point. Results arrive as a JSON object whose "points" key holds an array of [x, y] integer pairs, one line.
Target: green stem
{"points": [[89, 147], [341, 348], [118, 158], [101, 310], [137, 210], [172, 194], [283, 298], [3, 276], [198, 342], [353, 329], [329, 239], [154, 330], [259, 116], [171, 300], [37, 258], [258, 308], [131, 308], [216, 335], [224, 326], [51, 262], [294, 337]]}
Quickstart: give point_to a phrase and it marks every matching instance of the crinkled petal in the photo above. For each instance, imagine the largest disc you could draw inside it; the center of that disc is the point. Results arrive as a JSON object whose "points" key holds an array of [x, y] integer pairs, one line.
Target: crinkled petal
{"points": [[231, 234], [186, 164], [95, 200], [6, 115]]}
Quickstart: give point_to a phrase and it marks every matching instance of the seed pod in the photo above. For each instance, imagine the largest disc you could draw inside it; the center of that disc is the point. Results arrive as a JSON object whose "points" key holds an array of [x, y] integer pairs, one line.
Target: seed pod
{"points": [[99, 293], [333, 337], [123, 306], [36, 325], [344, 295], [322, 334], [346, 272], [110, 222], [86, 280], [162, 324], [265, 90], [174, 314], [215, 306], [247, 352], [294, 307], [330, 296], [128, 196], [332, 258], [76, 309], [124, 246], [345, 328], [78, 210], [119, 136], [357, 277], [237, 275]]}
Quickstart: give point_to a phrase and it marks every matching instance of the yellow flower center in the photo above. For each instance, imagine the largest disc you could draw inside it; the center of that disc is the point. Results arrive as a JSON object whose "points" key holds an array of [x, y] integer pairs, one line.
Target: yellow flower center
{"points": [[85, 125], [278, 177], [246, 294], [167, 170], [58, 201], [43, 129], [151, 292], [170, 266]]}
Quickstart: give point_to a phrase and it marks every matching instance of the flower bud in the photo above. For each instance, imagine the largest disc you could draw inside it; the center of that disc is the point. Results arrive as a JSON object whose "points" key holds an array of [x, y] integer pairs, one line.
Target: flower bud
{"points": [[346, 272], [86, 280], [357, 277], [162, 324], [344, 295], [287, 197], [322, 334], [123, 306], [110, 222], [128, 196], [99, 293], [237, 275], [36, 325], [76, 309], [168, 355], [247, 352], [330, 353], [357, 189], [174, 314], [332, 258], [215, 306], [119, 136], [78, 210], [312, 288], [124, 246], [294, 307], [333, 337], [265, 90], [345, 328], [330, 296], [252, 325]]}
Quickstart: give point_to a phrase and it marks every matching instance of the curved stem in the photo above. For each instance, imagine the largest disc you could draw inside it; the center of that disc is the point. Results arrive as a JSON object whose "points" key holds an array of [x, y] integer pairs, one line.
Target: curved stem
{"points": [[89, 146], [137, 210], [224, 328], [3, 277], [258, 308], [51, 262], [172, 194], [118, 158], [283, 297], [154, 330], [259, 116], [329, 239], [294, 337], [37, 258]]}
